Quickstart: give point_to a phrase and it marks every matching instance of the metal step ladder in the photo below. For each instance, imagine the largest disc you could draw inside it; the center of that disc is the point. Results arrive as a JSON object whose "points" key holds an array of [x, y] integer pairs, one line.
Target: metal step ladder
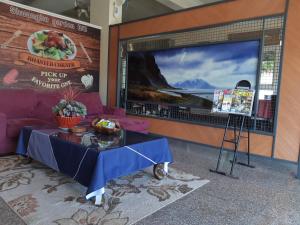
{"points": [[238, 125]]}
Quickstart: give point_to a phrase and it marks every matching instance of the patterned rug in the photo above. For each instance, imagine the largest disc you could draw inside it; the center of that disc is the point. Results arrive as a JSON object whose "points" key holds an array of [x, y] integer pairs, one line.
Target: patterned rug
{"points": [[41, 196]]}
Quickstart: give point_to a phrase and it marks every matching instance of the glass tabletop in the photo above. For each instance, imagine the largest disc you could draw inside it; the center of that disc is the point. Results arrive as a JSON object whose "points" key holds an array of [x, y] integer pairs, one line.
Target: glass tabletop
{"points": [[92, 139]]}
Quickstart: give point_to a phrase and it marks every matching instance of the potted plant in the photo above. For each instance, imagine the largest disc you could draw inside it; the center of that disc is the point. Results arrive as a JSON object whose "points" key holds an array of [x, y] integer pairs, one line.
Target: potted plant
{"points": [[68, 112]]}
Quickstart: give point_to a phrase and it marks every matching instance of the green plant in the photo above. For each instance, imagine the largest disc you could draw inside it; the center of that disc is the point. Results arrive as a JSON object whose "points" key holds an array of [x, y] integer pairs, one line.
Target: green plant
{"points": [[67, 106]]}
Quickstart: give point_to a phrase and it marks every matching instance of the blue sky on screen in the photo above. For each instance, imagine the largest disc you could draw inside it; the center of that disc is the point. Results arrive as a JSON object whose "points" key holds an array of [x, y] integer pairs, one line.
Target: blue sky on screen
{"points": [[221, 65]]}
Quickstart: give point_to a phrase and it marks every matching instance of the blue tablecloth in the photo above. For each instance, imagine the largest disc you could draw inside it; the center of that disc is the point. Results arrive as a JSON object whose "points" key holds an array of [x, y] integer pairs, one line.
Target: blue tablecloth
{"points": [[87, 165]]}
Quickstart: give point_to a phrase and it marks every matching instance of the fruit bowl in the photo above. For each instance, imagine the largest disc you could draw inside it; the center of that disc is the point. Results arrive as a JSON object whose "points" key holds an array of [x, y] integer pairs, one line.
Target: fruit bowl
{"points": [[106, 126]]}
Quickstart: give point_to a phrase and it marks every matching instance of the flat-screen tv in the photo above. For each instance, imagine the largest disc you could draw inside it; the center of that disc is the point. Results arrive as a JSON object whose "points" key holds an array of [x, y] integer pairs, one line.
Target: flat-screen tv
{"points": [[188, 76]]}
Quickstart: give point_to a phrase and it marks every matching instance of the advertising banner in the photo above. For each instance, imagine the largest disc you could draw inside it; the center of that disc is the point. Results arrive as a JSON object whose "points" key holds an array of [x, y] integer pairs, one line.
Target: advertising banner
{"points": [[233, 101], [39, 51]]}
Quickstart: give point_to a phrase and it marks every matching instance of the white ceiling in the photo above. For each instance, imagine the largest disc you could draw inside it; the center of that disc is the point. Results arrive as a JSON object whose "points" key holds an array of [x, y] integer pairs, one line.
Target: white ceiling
{"points": [[56, 6], [62, 7], [134, 9]]}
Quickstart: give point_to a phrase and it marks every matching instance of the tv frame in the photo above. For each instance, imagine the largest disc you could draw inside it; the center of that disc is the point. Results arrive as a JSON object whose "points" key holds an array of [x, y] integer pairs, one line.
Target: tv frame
{"points": [[200, 44]]}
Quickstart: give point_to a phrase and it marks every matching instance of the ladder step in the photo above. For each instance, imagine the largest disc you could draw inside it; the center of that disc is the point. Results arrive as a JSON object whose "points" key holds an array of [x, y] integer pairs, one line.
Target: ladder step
{"points": [[231, 141], [244, 137], [245, 164]]}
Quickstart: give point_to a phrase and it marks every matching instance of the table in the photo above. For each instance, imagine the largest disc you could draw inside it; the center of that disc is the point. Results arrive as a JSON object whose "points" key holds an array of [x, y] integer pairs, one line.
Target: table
{"points": [[94, 159]]}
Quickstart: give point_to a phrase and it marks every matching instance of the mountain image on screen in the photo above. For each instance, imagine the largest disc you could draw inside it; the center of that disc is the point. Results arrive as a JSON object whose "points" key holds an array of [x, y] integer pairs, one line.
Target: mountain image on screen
{"points": [[193, 84], [188, 76]]}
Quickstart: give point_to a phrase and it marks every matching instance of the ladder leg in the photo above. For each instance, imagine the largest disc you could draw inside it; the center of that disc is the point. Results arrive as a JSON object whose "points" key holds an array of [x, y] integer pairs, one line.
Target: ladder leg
{"points": [[237, 145], [248, 146], [248, 153], [222, 145], [235, 136], [221, 150], [220, 156]]}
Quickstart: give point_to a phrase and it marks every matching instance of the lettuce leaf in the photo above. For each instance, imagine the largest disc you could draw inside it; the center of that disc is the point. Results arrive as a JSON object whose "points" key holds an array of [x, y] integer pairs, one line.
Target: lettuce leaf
{"points": [[41, 36]]}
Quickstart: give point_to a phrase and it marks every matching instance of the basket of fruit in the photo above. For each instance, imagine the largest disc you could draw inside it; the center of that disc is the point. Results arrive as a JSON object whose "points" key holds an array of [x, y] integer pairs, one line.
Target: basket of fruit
{"points": [[106, 126]]}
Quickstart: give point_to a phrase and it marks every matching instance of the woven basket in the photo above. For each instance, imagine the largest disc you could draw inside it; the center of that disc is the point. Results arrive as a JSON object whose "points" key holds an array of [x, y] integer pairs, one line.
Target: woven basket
{"points": [[68, 122], [104, 130]]}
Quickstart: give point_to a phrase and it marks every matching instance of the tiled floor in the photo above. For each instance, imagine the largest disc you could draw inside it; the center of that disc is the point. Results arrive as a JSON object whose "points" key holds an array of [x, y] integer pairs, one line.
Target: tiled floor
{"points": [[266, 195]]}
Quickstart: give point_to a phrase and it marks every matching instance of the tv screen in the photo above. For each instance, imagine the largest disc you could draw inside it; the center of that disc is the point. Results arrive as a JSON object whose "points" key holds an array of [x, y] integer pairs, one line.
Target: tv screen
{"points": [[188, 76]]}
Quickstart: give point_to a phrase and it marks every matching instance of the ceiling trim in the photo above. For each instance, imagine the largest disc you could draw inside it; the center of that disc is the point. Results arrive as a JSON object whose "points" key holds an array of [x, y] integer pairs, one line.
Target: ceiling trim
{"points": [[172, 5], [50, 13], [179, 4]]}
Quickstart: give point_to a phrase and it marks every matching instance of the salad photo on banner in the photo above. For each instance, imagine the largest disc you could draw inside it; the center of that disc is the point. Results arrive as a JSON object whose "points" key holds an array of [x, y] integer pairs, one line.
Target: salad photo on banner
{"points": [[40, 51]]}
